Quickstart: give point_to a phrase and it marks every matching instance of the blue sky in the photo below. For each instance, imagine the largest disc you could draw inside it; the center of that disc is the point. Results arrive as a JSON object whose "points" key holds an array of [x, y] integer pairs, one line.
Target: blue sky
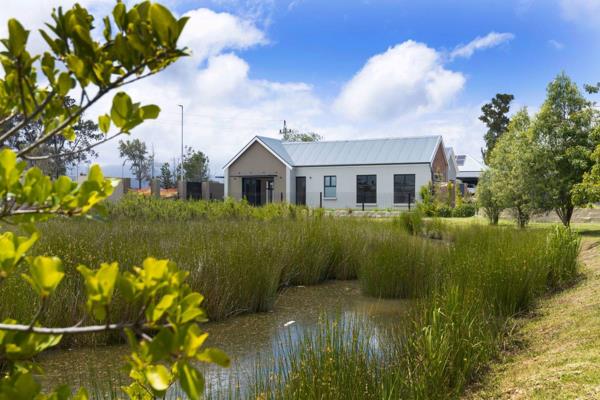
{"points": [[325, 42], [350, 68]]}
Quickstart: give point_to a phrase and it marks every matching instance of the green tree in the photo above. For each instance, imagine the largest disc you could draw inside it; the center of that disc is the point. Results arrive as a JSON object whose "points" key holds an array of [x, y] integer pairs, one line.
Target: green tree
{"points": [[293, 135], [58, 154], [564, 130], [495, 117], [136, 153], [167, 180], [588, 191], [487, 198], [165, 338], [517, 176], [195, 165]]}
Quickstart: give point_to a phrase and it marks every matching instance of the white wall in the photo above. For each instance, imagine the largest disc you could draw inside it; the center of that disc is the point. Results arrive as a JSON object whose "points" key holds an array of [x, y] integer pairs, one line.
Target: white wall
{"points": [[346, 183]]}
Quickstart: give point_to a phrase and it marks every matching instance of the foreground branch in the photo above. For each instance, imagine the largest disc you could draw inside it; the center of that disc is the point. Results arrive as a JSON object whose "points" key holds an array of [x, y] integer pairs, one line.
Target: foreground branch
{"points": [[71, 330]]}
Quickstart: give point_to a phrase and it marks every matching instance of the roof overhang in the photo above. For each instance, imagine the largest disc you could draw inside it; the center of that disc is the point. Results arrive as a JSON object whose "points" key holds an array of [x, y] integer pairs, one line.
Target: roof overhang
{"points": [[256, 139]]}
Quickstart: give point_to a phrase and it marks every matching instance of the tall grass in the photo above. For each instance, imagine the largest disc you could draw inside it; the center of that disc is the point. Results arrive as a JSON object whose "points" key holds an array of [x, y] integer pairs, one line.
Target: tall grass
{"points": [[238, 265], [465, 299]]}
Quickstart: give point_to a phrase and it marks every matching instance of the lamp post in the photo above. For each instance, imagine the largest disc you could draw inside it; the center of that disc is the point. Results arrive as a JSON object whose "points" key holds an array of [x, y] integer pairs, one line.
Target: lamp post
{"points": [[181, 171]]}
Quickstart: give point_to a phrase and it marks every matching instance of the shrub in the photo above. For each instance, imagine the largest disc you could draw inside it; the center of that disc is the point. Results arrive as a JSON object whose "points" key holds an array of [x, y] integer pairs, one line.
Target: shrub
{"points": [[444, 211], [464, 210]]}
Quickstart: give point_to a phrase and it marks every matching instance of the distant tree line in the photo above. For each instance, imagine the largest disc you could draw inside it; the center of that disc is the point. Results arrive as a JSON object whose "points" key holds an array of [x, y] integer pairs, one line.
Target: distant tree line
{"points": [[135, 152]]}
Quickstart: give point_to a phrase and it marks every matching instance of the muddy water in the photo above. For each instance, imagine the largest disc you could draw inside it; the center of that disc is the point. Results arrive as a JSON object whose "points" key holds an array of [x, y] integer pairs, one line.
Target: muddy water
{"points": [[243, 338]]}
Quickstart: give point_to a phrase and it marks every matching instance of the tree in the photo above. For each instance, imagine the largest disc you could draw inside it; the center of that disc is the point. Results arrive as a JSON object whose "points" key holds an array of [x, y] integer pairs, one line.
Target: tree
{"points": [[164, 336], [195, 165], [588, 191], [136, 153], [487, 198], [496, 119], [293, 135], [64, 153], [166, 178], [563, 130], [517, 178]]}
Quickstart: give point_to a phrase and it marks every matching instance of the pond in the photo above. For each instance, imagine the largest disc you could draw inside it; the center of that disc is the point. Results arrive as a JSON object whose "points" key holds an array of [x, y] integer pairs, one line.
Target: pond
{"points": [[243, 338]]}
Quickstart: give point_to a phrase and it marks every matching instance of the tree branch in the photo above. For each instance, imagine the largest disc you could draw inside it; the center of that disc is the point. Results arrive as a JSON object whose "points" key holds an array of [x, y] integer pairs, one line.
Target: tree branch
{"points": [[118, 83], [72, 153], [27, 118], [77, 329]]}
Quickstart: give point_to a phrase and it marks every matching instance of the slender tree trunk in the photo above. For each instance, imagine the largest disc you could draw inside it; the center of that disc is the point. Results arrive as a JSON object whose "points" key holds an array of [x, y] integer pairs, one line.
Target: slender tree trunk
{"points": [[565, 214]]}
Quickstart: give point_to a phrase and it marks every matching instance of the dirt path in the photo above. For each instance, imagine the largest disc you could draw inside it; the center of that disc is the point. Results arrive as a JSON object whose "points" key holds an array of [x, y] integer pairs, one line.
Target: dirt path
{"points": [[560, 356]]}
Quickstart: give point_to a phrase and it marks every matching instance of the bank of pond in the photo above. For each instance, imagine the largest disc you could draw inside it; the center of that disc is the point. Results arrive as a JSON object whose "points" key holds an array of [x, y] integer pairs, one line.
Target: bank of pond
{"points": [[456, 287]]}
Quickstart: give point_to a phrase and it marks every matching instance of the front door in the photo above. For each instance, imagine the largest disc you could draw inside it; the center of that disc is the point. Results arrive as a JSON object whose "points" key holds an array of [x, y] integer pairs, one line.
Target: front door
{"points": [[301, 190], [251, 191]]}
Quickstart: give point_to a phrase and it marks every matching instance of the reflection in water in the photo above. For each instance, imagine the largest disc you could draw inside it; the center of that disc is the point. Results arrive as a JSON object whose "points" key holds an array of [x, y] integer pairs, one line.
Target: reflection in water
{"points": [[244, 337]]}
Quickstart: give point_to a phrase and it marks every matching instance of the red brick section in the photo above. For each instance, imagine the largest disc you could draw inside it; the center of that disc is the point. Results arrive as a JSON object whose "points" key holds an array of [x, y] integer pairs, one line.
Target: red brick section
{"points": [[440, 165]]}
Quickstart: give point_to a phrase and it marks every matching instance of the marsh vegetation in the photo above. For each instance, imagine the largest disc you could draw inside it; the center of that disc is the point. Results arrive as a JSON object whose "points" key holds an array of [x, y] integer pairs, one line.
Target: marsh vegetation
{"points": [[464, 284]]}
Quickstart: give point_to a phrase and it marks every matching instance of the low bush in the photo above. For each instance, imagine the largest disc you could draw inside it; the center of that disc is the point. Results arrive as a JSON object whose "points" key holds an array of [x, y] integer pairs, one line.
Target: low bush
{"points": [[464, 210]]}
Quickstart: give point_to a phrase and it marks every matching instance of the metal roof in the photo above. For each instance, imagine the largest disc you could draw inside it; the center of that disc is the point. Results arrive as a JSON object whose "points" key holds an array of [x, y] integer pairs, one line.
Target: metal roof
{"points": [[407, 150], [468, 163]]}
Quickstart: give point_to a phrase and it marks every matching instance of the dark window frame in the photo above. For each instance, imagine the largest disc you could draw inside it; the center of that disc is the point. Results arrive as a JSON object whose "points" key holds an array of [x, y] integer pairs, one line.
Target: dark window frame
{"points": [[327, 183], [404, 192], [366, 189]]}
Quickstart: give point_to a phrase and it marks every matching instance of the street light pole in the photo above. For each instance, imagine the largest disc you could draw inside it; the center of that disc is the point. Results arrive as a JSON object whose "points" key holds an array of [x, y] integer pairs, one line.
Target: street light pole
{"points": [[181, 171]]}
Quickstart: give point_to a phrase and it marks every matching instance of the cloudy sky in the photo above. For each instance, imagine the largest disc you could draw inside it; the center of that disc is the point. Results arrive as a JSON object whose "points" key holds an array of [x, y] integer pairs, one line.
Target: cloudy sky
{"points": [[348, 68]]}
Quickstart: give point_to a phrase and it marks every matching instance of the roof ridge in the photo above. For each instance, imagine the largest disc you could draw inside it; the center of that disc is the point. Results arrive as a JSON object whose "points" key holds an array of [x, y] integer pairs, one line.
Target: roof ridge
{"points": [[361, 140]]}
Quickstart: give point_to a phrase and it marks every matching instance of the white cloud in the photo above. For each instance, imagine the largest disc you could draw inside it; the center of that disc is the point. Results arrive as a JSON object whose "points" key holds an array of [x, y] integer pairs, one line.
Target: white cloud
{"points": [[492, 39], [208, 33], [223, 109], [556, 44], [584, 11], [224, 106], [407, 78]]}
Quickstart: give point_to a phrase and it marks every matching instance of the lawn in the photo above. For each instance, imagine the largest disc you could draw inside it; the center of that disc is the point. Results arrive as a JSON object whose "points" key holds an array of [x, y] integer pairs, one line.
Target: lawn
{"points": [[559, 352]]}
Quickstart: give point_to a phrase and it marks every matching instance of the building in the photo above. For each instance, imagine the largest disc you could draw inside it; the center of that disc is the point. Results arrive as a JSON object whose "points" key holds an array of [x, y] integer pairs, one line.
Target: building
{"points": [[382, 173], [452, 167], [469, 170]]}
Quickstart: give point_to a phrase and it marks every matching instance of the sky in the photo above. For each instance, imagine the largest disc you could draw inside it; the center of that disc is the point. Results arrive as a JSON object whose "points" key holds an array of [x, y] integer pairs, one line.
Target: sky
{"points": [[346, 69]]}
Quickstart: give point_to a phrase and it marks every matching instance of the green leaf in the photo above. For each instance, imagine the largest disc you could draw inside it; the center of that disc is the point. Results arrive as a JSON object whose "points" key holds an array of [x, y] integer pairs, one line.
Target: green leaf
{"points": [[69, 133], [104, 123], [121, 109], [150, 111], [65, 83], [45, 274], [164, 24], [120, 15], [76, 65], [17, 37], [163, 305], [81, 394], [214, 355], [158, 377], [192, 381]]}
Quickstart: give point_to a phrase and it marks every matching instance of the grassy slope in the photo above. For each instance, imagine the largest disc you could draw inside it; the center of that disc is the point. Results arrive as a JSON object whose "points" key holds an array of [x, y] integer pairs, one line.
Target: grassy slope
{"points": [[560, 358]]}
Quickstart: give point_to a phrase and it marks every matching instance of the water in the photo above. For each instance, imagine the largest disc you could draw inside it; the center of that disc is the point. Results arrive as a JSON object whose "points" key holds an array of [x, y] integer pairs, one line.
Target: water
{"points": [[243, 337]]}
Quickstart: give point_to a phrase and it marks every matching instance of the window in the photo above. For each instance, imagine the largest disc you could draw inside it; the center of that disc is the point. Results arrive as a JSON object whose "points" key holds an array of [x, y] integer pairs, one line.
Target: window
{"points": [[366, 189], [404, 188], [330, 187]]}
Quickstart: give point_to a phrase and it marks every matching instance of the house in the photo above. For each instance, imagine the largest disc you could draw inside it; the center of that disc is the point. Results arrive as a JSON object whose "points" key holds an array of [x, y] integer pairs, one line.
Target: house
{"points": [[382, 173], [452, 167], [469, 170]]}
